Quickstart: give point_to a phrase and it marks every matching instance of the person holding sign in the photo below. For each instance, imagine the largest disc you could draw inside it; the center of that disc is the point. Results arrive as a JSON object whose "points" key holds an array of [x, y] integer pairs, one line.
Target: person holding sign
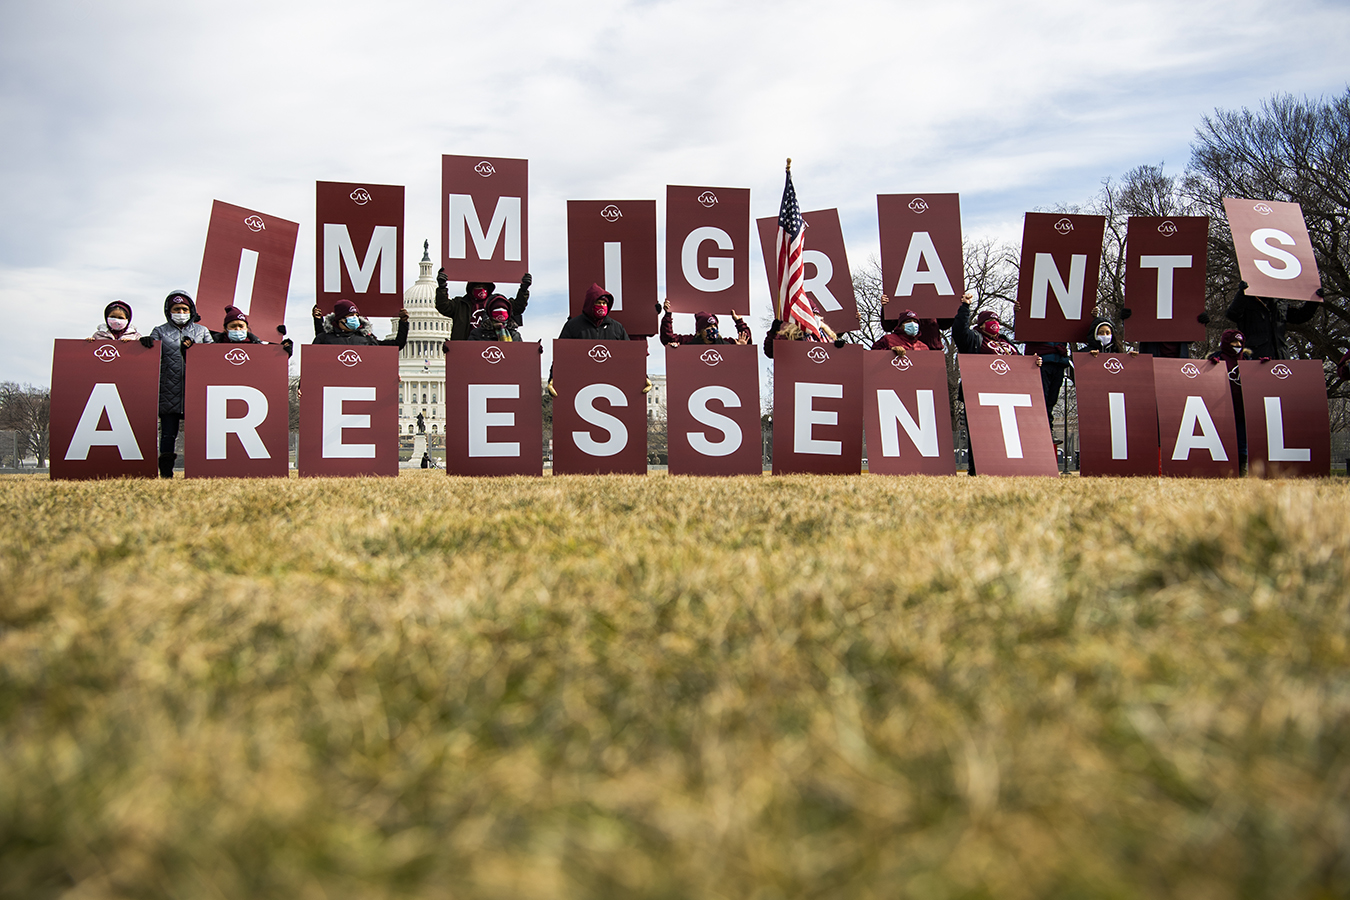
{"points": [[986, 338], [496, 325], [593, 324], [350, 327], [180, 331], [1263, 320], [791, 331], [1232, 350], [705, 329], [1104, 339], [905, 337], [237, 331], [116, 324], [466, 311]]}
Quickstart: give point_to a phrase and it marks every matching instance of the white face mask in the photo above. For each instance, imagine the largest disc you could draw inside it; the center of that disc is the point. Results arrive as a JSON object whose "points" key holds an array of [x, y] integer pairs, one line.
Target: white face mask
{"points": [[180, 318], [238, 334], [116, 324], [1104, 339]]}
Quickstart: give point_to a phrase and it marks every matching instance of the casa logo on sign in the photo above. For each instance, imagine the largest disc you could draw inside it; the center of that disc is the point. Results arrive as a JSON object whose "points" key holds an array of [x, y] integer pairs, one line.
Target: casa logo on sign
{"points": [[106, 353], [485, 169], [1064, 226], [236, 357], [708, 199], [494, 355], [1282, 371], [711, 357], [902, 363], [999, 367], [1167, 228], [1114, 366], [360, 196], [1190, 371], [817, 355], [919, 205], [599, 353], [349, 358], [1263, 208], [254, 223], [1234, 377], [611, 213]]}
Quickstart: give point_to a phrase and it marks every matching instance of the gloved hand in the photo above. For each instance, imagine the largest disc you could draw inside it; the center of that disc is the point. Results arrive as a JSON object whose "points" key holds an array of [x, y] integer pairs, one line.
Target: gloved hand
{"points": [[647, 388], [526, 280], [839, 342], [186, 343], [1126, 312], [1203, 318], [147, 342], [445, 348], [552, 391], [289, 346], [281, 330], [1321, 292], [1242, 285], [441, 280]]}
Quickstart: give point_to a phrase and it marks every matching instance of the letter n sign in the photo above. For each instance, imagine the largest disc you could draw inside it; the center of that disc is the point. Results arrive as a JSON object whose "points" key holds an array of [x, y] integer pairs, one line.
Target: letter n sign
{"points": [[103, 409], [349, 411], [484, 210], [359, 235], [238, 413]]}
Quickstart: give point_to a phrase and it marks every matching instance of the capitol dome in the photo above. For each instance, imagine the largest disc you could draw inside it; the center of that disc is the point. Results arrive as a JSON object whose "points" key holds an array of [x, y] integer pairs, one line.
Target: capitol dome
{"points": [[421, 364]]}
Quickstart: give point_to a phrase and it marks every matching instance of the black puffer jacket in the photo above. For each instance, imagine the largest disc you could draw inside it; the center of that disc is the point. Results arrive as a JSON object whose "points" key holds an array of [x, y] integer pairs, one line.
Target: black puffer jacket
{"points": [[463, 311], [172, 364], [359, 338], [1263, 321]]}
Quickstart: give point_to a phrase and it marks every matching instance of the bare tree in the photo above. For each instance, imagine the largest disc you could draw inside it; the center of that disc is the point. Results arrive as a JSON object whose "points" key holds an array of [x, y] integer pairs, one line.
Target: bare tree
{"points": [[27, 410]]}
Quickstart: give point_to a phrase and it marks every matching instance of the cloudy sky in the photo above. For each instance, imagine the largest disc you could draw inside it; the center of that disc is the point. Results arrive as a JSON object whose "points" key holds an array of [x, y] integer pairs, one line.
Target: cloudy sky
{"points": [[123, 121]]}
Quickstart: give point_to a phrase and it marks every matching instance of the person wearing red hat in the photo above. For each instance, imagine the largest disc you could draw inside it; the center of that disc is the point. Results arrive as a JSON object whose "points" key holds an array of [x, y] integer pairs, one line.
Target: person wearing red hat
{"points": [[905, 337], [237, 331], [346, 325], [705, 329], [466, 311], [496, 325], [986, 337], [1233, 350]]}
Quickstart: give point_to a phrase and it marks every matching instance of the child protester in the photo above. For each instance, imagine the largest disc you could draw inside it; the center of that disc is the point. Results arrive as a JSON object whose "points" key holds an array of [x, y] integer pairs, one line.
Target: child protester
{"points": [[496, 325], [116, 324], [180, 331], [237, 331]]}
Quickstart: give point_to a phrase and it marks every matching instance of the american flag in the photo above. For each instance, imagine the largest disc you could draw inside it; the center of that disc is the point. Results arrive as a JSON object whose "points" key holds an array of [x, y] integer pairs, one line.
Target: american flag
{"points": [[793, 303]]}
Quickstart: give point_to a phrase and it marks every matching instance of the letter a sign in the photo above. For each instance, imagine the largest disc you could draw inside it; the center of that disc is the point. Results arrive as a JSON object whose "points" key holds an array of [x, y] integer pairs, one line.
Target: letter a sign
{"points": [[484, 211], [359, 237], [103, 409]]}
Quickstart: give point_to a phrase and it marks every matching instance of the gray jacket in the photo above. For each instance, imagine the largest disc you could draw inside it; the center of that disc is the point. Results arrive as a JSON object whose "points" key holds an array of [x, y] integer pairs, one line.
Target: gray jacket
{"points": [[172, 365]]}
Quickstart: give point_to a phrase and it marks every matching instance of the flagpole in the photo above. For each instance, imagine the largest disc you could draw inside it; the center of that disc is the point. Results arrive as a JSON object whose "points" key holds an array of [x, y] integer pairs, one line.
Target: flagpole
{"points": [[789, 164]]}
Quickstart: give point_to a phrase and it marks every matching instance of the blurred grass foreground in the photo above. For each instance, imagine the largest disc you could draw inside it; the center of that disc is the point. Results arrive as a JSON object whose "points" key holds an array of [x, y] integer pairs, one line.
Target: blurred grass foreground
{"points": [[660, 687]]}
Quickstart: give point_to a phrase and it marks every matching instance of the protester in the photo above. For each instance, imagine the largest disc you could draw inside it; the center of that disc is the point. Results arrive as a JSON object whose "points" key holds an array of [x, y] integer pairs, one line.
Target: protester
{"points": [[1232, 350], [116, 324], [705, 329], [593, 324], [905, 337], [985, 338], [237, 331], [1105, 338], [496, 325], [346, 325], [791, 331], [1263, 321], [180, 331], [466, 311]]}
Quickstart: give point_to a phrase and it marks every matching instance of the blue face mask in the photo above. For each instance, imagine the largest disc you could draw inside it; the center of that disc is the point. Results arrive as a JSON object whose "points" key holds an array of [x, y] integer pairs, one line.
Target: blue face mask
{"points": [[911, 328], [352, 322], [238, 334]]}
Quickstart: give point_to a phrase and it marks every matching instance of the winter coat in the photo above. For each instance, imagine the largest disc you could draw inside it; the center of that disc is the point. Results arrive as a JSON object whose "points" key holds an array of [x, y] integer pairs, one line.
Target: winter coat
{"points": [[1231, 359], [486, 331], [221, 337], [1114, 347], [971, 341], [668, 335], [172, 361], [1166, 349], [362, 337], [1263, 321], [104, 333], [892, 340], [464, 312], [586, 327]]}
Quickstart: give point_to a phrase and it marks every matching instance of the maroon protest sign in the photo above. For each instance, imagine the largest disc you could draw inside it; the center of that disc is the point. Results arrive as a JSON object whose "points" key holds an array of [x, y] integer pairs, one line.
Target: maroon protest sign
{"points": [[358, 250], [612, 243], [1195, 418], [712, 410], [104, 405], [484, 210], [1057, 282], [246, 263], [1288, 426], [238, 413], [817, 408], [1117, 414], [708, 249], [494, 424], [1005, 410], [1275, 254], [907, 413], [600, 413], [921, 260], [829, 280], [1165, 277], [348, 411]]}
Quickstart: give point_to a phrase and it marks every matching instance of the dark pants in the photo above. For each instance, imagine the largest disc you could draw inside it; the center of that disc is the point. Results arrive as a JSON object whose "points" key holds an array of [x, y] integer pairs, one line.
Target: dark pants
{"points": [[1052, 382]]}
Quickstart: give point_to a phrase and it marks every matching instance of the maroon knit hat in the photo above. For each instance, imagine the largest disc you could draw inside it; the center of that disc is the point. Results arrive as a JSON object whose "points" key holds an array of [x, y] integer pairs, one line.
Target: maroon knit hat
{"points": [[702, 320], [344, 308], [235, 314]]}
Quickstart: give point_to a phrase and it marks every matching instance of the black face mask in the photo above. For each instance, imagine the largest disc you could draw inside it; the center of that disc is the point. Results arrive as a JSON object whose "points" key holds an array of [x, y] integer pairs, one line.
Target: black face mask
{"points": [[710, 335]]}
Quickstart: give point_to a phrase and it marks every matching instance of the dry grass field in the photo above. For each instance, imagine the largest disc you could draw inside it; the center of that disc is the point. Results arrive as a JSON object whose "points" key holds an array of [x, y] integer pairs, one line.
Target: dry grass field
{"points": [[660, 687]]}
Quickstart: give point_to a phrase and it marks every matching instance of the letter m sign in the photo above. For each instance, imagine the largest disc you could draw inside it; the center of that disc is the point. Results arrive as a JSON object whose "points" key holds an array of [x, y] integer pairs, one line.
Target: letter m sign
{"points": [[484, 208]]}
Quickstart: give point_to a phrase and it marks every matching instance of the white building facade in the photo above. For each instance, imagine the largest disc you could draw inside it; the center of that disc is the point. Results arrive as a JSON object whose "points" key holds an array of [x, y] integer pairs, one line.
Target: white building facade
{"points": [[421, 364]]}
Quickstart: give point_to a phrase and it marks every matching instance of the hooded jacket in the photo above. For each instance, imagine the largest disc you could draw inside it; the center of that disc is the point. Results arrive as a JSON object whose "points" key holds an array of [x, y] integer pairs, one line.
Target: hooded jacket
{"points": [[1263, 321], [104, 333], [172, 361], [487, 330], [1230, 358], [587, 326], [970, 340], [701, 321], [464, 312], [1114, 347], [897, 339]]}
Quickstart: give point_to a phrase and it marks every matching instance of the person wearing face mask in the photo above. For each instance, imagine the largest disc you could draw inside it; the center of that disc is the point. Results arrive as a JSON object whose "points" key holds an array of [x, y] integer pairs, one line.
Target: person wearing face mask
{"points": [[496, 325], [179, 332], [985, 338], [905, 338], [1105, 338], [116, 324], [465, 312], [1263, 321], [1233, 350], [593, 324], [348, 326], [237, 331], [705, 329]]}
